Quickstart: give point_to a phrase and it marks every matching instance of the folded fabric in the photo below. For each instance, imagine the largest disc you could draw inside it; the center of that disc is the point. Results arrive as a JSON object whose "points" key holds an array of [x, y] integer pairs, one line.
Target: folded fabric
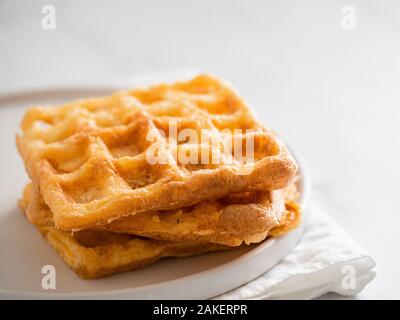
{"points": [[326, 259]]}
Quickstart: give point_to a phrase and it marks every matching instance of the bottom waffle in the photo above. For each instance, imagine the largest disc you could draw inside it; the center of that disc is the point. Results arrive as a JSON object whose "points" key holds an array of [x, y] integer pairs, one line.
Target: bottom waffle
{"points": [[95, 254]]}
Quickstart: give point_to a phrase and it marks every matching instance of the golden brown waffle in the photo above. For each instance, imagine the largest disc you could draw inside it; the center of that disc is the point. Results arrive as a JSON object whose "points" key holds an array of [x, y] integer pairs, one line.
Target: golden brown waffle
{"points": [[231, 220], [88, 157], [95, 254]]}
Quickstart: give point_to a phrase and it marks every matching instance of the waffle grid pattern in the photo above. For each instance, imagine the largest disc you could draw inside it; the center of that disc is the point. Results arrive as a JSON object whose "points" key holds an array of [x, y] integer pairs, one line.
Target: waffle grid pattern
{"points": [[89, 157]]}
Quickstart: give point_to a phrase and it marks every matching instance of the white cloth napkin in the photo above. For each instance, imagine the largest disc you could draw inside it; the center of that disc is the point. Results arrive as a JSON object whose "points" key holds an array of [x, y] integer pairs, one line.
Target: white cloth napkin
{"points": [[326, 259]]}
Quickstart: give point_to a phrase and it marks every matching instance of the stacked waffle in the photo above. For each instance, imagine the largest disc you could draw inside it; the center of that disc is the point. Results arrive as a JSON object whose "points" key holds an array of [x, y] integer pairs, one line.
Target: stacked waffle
{"points": [[119, 182]]}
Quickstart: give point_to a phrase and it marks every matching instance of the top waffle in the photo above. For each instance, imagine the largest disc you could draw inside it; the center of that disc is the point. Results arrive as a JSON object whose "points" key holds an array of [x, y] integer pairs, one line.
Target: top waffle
{"points": [[90, 157]]}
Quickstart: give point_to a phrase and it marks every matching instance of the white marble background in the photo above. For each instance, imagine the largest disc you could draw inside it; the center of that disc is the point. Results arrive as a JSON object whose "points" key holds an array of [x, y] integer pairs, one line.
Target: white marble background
{"points": [[331, 93]]}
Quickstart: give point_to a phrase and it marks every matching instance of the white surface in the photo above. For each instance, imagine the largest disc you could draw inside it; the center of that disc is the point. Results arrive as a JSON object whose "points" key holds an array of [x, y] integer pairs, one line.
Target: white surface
{"points": [[23, 252], [333, 93], [326, 259]]}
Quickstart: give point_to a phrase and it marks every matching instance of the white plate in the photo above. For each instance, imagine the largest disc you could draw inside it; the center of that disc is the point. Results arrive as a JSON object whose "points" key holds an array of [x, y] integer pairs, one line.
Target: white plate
{"points": [[23, 252]]}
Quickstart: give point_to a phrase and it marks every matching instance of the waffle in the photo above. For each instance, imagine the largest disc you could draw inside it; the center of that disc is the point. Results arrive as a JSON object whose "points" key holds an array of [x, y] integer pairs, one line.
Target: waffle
{"points": [[95, 254], [232, 220], [89, 160]]}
